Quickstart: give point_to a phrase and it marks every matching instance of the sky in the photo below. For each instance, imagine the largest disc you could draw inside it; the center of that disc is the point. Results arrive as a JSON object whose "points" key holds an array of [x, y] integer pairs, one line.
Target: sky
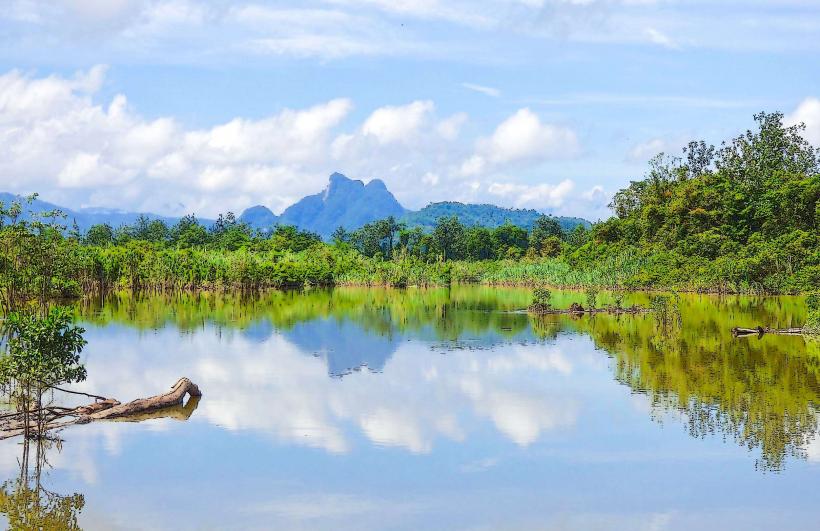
{"points": [[176, 106]]}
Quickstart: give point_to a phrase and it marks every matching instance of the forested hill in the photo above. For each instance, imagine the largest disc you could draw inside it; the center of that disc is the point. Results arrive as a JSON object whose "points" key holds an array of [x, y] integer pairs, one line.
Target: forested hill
{"points": [[482, 215], [744, 215]]}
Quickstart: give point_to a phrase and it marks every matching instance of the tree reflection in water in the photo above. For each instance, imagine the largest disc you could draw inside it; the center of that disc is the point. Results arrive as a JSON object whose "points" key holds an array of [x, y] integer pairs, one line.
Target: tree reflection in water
{"points": [[27, 503], [762, 393]]}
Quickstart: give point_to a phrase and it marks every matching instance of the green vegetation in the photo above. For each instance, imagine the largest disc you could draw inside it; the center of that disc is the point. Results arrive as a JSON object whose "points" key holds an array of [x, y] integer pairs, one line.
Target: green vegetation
{"points": [[743, 218], [541, 300], [812, 324], [471, 215]]}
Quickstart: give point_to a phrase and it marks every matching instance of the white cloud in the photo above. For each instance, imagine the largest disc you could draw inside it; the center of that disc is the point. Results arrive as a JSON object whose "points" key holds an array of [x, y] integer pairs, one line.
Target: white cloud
{"points": [[189, 32], [596, 193], [58, 139], [522, 137], [430, 179], [646, 150], [808, 112], [397, 124], [534, 196], [487, 91], [450, 127], [660, 38]]}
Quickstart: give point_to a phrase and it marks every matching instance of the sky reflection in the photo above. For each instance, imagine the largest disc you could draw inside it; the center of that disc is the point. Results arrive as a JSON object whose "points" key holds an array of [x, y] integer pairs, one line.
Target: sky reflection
{"points": [[479, 419]]}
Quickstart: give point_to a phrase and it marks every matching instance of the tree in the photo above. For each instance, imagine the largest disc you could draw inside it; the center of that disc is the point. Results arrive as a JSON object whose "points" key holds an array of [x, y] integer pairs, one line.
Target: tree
{"points": [[41, 353], [388, 229], [188, 232], [340, 236], [448, 238], [478, 243], [509, 241], [100, 235], [755, 155], [414, 242], [544, 228]]}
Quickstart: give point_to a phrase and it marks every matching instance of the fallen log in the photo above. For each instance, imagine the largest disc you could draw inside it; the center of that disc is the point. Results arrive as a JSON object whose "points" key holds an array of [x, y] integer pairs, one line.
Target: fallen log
{"points": [[171, 404], [174, 397], [759, 331]]}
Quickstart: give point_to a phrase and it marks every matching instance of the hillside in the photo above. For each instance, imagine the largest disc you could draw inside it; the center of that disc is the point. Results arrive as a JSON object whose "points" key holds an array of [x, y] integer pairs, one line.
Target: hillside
{"points": [[484, 215]]}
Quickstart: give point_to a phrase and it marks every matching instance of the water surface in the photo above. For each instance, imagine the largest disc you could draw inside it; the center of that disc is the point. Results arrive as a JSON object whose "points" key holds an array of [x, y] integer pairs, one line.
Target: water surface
{"points": [[441, 409]]}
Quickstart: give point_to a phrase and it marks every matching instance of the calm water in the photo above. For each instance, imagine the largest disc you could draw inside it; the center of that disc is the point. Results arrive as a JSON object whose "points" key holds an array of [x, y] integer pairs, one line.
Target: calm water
{"points": [[442, 409]]}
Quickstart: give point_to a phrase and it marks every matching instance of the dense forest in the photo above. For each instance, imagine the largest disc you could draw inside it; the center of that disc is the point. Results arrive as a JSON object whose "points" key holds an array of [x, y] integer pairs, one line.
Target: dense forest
{"points": [[740, 217]]}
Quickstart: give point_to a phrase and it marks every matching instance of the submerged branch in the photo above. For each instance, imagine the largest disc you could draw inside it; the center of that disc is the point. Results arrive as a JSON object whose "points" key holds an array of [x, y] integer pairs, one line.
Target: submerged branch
{"points": [[577, 309], [759, 331]]}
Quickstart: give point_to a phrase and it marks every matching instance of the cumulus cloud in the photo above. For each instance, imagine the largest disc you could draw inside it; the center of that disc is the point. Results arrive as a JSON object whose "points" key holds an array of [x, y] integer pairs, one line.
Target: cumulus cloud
{"points": [[395, 124], [57, 138], [521, 137], [808, 113], [534, 196], [60, 139]]}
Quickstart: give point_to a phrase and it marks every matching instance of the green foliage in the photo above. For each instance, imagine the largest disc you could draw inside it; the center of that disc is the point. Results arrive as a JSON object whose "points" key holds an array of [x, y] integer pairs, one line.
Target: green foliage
{"points": [[591, 297], [488, 216], [541, 299], [813, 300], [812, 324], [42, 352]]}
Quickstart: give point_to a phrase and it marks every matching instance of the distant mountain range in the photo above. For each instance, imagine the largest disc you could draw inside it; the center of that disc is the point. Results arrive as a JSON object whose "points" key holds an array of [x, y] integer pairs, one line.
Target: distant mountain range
{"points": [[344, 202], [86, 217], [350, 204]]}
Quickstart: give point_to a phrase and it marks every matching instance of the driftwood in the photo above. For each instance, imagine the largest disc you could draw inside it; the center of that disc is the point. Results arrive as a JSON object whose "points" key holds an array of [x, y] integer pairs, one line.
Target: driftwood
{"points": [[168, 404], [759, 331]]}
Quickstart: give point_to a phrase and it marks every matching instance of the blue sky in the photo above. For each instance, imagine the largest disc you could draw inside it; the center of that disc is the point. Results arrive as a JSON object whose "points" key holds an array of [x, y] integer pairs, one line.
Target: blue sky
{"points": [[176, 106]]}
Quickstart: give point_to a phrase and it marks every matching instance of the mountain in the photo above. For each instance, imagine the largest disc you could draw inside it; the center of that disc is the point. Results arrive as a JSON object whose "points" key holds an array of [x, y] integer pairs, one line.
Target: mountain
{"points": [[344, 202], [259, 217], [85, 217], [484, 215]]}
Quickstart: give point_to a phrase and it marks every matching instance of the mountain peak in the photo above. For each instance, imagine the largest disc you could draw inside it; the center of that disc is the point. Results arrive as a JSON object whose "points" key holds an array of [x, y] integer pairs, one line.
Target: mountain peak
{"points": [[336, 176], [340, 183], [376, 184], [344, 202]]}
